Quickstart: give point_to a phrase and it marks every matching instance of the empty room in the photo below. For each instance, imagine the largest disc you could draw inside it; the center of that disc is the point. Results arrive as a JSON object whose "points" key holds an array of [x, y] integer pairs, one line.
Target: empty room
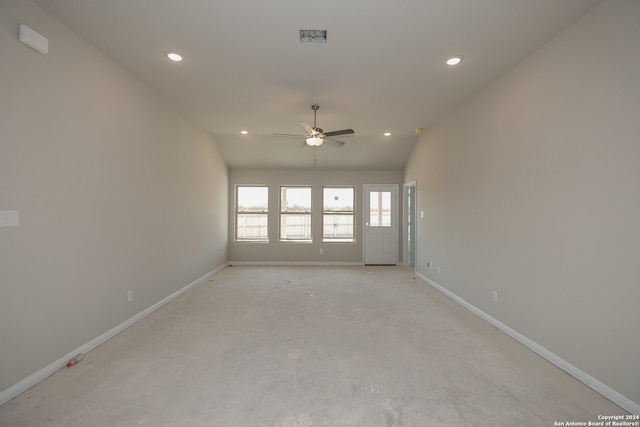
{"points": [[304, 213]]}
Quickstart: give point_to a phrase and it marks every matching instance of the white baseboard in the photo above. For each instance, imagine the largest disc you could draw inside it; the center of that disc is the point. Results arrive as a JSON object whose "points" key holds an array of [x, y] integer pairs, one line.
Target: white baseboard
{"points": [[35, 378], [295, 263], [598, 386], [606, 391]]}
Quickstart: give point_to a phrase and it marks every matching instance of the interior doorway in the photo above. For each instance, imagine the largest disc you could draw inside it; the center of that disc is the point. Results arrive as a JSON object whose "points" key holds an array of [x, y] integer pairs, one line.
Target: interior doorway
{"points": [[409, 224]]}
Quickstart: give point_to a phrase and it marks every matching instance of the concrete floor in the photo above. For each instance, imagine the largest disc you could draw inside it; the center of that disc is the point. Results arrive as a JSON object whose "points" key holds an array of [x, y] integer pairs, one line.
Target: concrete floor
{"points": [[309, 346]]}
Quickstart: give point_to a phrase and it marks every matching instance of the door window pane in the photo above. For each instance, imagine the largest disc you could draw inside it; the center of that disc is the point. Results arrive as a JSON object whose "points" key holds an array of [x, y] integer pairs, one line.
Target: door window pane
{"points": [[380, 208]]}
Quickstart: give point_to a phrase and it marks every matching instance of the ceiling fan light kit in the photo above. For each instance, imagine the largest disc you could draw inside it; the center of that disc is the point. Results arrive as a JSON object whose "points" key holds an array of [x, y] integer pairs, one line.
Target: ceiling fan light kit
{"points": [[314, 141]]}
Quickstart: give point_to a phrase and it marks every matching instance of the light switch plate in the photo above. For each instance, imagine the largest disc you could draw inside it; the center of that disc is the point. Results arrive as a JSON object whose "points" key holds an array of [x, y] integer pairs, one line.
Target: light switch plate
{"points": [[9, 219]]}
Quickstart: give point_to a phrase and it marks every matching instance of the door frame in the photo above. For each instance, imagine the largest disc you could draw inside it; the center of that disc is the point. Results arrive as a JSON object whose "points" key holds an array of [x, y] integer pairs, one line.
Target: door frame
{"points": [[409, 255]]}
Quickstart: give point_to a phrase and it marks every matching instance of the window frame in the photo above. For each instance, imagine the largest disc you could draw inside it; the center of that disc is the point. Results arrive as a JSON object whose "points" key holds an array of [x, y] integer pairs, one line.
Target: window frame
{"points": [[238, 212], [351, 213], [282, 214]]}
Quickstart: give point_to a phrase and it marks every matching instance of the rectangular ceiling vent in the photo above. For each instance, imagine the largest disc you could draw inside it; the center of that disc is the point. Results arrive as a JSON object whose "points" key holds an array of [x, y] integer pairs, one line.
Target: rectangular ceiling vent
{"points": [[313, 36]]}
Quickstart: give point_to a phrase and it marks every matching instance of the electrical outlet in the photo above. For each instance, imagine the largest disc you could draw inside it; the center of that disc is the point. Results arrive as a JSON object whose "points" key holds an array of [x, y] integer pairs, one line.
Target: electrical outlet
{"points": [[438, 269], [129, 296], [495, 296], [321, 251]]}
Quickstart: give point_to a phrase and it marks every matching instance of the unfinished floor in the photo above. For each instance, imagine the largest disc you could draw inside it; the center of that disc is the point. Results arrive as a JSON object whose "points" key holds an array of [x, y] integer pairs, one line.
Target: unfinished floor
{"points": [[309, 346]]}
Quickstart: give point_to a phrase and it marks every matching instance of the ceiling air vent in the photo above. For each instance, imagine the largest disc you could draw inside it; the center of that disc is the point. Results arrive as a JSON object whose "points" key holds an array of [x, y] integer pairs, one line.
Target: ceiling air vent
{"points": [[313, 36]]}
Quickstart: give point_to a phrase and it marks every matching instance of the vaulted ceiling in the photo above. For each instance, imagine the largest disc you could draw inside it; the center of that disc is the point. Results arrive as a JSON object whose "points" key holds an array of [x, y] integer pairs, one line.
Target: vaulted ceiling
{"points": [[382, 68]]}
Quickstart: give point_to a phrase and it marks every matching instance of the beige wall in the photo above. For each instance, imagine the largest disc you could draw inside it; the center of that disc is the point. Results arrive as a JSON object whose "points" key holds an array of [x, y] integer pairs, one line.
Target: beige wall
{"points": [[531, 188], [116, 191], [283, 252]]}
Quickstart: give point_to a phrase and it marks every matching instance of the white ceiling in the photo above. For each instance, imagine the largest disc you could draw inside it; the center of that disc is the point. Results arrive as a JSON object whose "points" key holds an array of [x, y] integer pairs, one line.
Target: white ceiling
{"points": [[382, 68]]}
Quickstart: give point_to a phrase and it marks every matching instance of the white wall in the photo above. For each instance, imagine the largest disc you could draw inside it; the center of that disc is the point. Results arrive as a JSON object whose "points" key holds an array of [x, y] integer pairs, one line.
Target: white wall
{"points": [[116, 192], [531, 188], [283, 252]]}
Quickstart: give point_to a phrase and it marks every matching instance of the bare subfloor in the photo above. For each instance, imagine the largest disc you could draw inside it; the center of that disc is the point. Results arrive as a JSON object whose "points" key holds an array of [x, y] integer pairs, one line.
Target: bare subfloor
{"points": [[309, 346]]}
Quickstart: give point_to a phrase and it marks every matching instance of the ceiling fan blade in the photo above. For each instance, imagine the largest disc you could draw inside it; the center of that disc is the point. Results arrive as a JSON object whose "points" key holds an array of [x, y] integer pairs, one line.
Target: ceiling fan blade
{"points": [[339, 132], [333, 142], [307, 127], [288, 135]]}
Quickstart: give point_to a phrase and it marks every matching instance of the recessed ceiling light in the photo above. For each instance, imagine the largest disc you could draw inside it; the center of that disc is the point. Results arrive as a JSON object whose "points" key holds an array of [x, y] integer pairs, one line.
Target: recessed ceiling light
{"points": [[174, 56], [244, 132], [387, 134], [454, 60]]}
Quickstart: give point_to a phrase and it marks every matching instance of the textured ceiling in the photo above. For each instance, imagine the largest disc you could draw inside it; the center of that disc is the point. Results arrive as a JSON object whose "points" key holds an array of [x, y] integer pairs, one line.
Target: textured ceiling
{"points": [[381, 70]]}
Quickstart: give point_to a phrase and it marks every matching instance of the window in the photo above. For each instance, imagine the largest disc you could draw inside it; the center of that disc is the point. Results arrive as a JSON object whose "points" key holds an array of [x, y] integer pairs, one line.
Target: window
{"points": [[338, 214], [380, 208], [252, 206], [295, 214]]}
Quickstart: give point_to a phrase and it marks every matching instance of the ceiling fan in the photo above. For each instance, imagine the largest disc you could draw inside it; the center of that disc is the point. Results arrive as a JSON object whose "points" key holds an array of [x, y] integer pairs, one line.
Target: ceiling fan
{"points": [[315, 136]]}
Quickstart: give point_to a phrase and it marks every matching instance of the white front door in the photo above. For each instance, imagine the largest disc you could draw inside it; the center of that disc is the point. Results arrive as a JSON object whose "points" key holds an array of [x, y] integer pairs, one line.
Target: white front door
{"points": [[381, 224]]}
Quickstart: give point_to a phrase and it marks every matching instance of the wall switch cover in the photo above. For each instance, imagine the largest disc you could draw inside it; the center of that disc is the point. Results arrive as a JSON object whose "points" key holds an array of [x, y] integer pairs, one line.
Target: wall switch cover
{"points": [[9, 219]]}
